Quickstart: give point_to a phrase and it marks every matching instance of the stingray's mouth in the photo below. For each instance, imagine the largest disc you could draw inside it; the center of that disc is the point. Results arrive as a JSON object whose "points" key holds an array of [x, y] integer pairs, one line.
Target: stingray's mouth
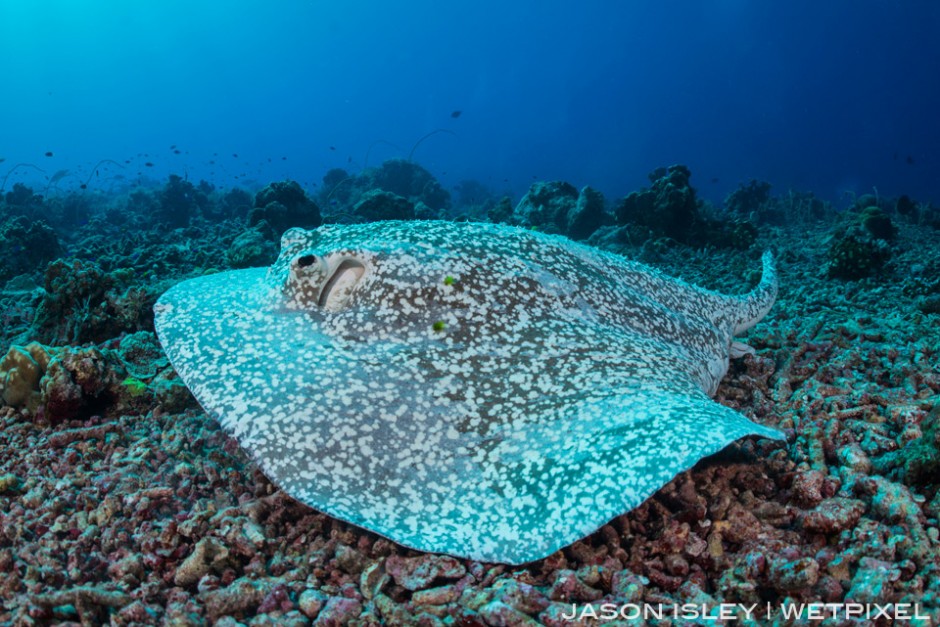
{"points": [[341, 284]]}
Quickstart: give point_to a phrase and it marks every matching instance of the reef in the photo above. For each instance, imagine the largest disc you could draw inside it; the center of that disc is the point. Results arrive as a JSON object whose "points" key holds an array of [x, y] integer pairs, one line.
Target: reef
{"points": [[558, 207], [180, 200], [252, 248], [751, 198], [122, 502], [670, 211], [398, 189], [25, 244], [668, 207], [377, 204], [854, 255], [283, 205]]}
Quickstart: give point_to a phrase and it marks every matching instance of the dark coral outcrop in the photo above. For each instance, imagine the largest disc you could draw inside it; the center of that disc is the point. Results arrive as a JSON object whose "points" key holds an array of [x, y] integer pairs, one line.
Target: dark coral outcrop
{"points": [[670, 209], [25, 246], [667, 207], [409, 180], [376, 205], [878, 223], [558, 207], [83, 303], [752, 201], [855, 255], [284, 205], [343, 193], [180, 201]]}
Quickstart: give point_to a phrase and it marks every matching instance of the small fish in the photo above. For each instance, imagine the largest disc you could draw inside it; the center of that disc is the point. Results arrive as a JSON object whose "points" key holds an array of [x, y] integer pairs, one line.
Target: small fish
{"points": [[176, 152], [58, 176], [49, 153], [283, 158], [173, 147], [235, 154], [332, 147], [455, 114], [909, 160], [149, 164], [2, 159]]}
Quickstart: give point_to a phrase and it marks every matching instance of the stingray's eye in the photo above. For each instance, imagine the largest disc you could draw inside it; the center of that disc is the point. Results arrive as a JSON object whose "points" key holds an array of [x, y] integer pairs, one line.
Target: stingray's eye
{"points": [[306, 260]]}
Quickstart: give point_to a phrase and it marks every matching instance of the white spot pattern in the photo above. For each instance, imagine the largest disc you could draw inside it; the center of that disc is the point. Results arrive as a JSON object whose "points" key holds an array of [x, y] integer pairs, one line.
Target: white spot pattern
{"points": [[480, 390]]}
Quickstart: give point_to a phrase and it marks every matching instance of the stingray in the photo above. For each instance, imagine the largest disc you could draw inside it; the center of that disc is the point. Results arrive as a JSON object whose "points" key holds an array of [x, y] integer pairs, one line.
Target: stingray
{"points": [[477, 390]]}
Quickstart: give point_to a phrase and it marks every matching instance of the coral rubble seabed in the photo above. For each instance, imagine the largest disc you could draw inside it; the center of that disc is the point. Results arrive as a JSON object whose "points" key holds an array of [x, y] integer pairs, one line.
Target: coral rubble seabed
{"points": [[121, 501]]}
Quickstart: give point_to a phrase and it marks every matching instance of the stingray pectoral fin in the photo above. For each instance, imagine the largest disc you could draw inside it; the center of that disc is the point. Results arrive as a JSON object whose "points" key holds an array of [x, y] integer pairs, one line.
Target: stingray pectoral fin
{"points": [[602, 458]]}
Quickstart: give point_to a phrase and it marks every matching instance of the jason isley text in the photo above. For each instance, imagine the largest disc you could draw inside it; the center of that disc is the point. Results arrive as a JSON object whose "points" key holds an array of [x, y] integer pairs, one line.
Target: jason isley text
{"points": [[744, 611]]}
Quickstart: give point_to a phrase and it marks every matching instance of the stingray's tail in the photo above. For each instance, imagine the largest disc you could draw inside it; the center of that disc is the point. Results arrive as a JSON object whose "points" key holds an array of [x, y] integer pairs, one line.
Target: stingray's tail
{"points": [[754, 305]]}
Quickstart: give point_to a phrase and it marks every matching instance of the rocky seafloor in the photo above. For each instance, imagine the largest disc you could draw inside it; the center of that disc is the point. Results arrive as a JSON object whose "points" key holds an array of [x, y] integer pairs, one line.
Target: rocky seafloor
{"points": [[122, 503]]}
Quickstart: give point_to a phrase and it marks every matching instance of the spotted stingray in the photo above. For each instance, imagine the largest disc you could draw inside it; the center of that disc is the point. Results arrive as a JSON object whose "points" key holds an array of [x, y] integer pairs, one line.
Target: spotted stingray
{"points": [[472, 389]]}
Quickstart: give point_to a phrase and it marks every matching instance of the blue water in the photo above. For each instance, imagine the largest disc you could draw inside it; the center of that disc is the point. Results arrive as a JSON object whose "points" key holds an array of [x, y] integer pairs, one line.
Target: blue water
{"points": [[825, 96]]}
